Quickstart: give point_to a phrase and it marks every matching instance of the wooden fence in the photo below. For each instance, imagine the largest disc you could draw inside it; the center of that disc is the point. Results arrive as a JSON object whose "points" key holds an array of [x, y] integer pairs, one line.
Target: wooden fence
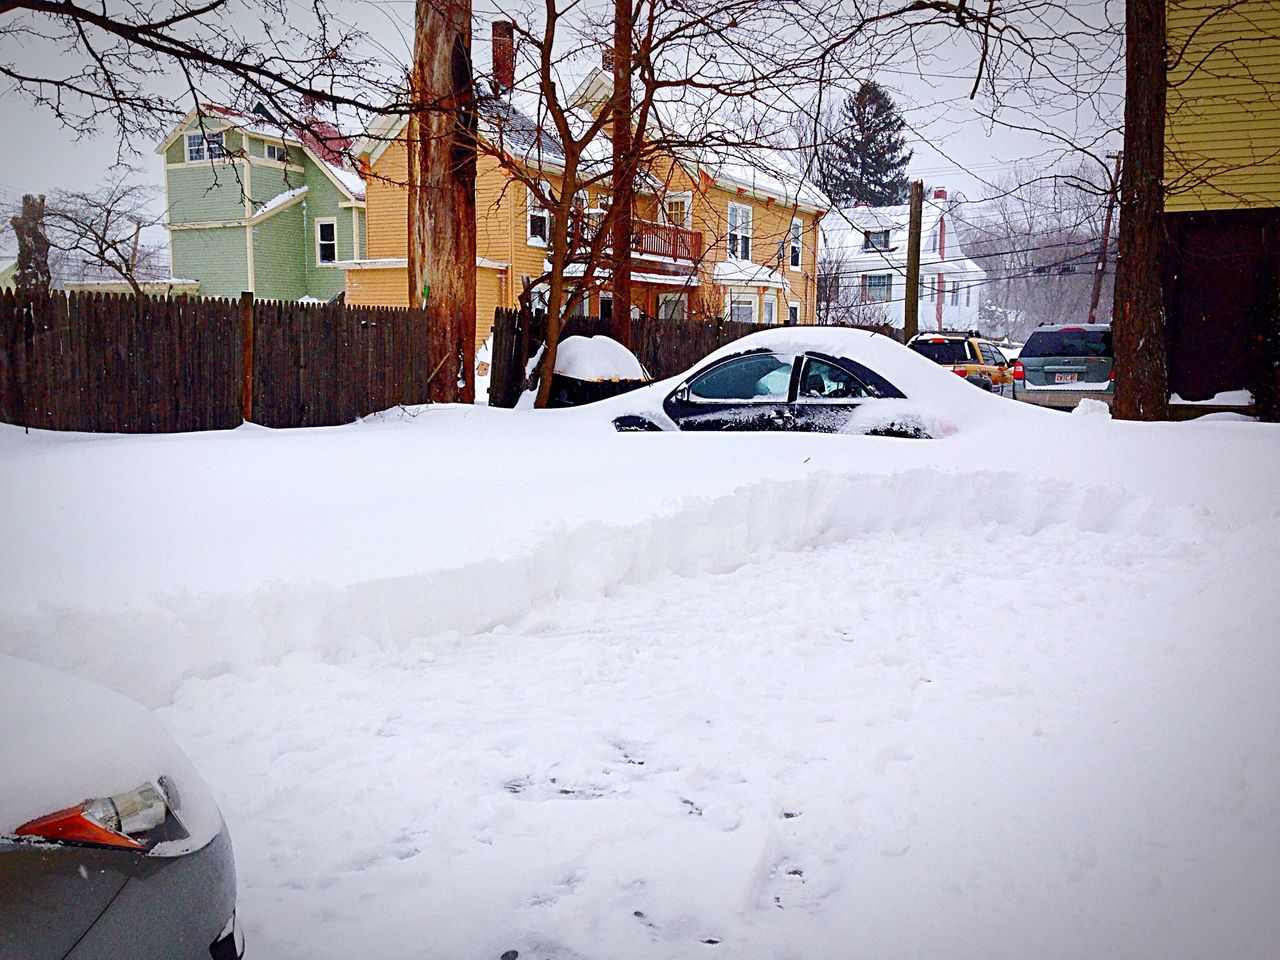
{"points": [[109, 363], [665, 347]]}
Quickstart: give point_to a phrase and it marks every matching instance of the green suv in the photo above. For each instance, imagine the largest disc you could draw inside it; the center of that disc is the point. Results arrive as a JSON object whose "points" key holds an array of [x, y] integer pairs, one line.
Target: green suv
{"points": [[1062, 364]]}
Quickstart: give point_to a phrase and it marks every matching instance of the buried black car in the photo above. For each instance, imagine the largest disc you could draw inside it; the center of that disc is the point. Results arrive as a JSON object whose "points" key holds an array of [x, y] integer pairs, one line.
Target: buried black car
{"points": [[817, 380]]}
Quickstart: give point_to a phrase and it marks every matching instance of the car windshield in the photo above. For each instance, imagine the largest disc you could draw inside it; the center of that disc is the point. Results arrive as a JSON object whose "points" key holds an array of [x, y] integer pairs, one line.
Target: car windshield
{"points": [[1071, 342], [941, 350]]}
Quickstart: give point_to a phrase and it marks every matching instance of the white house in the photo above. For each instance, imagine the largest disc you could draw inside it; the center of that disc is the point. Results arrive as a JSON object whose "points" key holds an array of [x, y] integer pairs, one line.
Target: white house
{"points": [[862, 269]]}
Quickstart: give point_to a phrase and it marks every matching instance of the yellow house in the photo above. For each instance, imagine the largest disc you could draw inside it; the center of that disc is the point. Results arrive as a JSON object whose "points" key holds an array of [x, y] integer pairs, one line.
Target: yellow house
{"points": [[1222, 176], [722, 237]]}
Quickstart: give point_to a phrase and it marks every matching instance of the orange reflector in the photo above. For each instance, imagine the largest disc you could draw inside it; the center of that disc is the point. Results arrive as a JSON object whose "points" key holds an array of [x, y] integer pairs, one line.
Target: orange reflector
{"points": [[72, 825]]}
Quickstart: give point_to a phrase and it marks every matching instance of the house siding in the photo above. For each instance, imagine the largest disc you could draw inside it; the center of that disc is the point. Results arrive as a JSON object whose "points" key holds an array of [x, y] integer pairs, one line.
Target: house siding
{"points": [[206, 193], [279, 261], [215, 256], [1222, 130]]}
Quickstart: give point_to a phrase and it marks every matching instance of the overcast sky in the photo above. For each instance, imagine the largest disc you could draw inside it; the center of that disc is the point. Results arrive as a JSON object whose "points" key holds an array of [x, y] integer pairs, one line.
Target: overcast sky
{"points": [[954, 146]]}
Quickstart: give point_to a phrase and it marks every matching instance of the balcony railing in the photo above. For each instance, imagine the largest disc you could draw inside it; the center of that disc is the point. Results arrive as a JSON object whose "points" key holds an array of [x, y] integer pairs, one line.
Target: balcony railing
{"points": [[649, 239]]}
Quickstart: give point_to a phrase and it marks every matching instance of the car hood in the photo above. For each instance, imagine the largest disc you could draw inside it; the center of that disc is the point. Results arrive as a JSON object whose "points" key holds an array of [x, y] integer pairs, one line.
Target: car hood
{"points": [[67, 740]]}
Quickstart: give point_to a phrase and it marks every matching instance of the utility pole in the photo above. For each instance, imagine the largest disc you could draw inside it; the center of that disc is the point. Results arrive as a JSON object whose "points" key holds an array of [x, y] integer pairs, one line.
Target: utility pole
{"points": [[911, 302], [1106, 236], [622, 175], [1138, 328]]}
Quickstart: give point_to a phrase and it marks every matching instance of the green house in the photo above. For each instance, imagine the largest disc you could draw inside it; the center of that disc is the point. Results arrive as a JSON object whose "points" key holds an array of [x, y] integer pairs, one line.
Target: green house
{"points": [[255, 206]]}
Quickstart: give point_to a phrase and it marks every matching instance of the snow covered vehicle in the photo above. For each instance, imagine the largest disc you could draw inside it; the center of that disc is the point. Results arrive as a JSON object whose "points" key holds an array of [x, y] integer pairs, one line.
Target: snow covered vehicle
{"points": [[594, 368], [110, 843], [810, 379]]}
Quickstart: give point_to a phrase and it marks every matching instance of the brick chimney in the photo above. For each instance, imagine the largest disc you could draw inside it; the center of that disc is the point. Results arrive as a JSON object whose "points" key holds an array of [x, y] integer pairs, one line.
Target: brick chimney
{"points": [[939, 193], [504, 56]]}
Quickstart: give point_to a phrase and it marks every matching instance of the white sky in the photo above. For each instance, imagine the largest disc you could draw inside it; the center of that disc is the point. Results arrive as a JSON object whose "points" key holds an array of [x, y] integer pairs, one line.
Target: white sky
{"points": [[953, 145]]}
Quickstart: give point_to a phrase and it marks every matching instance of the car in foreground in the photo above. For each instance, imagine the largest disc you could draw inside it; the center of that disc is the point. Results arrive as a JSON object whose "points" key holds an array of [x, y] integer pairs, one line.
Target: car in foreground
{"points": [[807, 379], [110, 844], [967, 355], [1062, 364]]}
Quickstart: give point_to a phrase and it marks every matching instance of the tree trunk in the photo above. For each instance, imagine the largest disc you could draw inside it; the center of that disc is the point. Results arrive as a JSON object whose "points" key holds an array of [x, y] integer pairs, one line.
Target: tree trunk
{"points": [[1138, 326], [442, 195], [32, 277]]}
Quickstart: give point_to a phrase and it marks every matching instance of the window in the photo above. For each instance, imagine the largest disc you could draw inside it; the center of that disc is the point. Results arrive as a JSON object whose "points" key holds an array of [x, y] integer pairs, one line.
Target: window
{"points": [[933, 240], [606, 306], [770, 314], [793, 313], [824, 381], [990, 355], [878, 287], [828, 287], [875, 239], [1068, 342], [968, 295], [326, 241], [928, 286], [539, 221], [676, 210], [955, 293], [277, 152], [204, 146], [671, 306], [796, 231], [762, 377], [742, 309], [942, 350], [739, 231]]}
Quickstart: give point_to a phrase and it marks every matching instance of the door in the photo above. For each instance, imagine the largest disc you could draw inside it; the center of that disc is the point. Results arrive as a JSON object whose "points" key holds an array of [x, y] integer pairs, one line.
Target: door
{"points": [[748, 392], [827, 395], [996, 367]]}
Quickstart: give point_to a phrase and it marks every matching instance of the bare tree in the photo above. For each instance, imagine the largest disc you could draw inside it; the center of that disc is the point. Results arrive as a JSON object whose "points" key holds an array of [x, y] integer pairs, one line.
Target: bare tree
{"points": [[101, 230], [32, 277]]}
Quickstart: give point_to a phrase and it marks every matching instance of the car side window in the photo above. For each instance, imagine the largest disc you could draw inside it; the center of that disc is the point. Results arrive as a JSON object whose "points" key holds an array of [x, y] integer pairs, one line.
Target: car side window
{"points": [[758, 378], [825, 381], [990, 355]]}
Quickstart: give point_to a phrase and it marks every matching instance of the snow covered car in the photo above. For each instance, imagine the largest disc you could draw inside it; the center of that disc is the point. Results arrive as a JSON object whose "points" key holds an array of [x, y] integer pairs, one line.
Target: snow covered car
{"points": [[110, 843], [811, 379], [594, 368]]}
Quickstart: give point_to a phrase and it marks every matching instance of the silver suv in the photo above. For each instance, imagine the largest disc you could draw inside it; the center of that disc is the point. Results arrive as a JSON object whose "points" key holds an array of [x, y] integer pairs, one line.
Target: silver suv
{"points": [[1061, 364]]}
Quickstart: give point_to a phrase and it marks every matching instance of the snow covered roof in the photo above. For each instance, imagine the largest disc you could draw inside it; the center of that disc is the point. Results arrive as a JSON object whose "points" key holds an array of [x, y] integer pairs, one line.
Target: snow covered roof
{"points": [[279, 201], [742, 273], [844, 238]]}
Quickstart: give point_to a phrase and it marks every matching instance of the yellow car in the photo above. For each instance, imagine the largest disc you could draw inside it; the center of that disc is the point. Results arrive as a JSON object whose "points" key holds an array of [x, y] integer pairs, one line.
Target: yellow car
{"points": [[970, 356]]}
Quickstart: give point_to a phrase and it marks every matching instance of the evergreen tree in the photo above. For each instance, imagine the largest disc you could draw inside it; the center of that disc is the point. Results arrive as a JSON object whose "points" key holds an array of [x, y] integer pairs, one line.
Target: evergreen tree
{"points": [[864, 158]]}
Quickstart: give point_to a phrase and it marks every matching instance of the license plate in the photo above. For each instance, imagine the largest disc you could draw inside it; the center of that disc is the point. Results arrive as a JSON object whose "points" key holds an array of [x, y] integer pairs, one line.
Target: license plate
{"points": [[1064, 378]]}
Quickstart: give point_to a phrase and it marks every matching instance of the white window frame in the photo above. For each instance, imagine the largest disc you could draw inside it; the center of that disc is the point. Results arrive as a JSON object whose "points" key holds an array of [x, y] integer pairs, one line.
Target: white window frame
{"points": [[748, 300], [769, 310], [279, 148], [955, 293], [666, 299], [210, 146], [736, 238], [795, 246], [868, 244], [888, 287], [533, 208], [686, 223], [930, 284], [333, 222], [793, 313]]}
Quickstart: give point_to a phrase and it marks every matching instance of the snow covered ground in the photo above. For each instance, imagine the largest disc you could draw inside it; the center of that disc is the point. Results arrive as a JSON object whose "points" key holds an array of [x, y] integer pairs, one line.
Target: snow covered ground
{"points": [[475, 680]]}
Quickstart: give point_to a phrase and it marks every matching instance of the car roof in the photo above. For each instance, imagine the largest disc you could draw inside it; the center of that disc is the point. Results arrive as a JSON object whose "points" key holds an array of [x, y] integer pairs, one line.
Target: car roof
{"points": [[1055, 327]]}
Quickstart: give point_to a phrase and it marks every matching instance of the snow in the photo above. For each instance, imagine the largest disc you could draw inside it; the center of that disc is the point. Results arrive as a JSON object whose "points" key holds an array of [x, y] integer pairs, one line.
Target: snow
{"points": [[597, 358], [279, 200], [1224, 398], [470, 680], [67, 741], [743, 272], [351, 181]]}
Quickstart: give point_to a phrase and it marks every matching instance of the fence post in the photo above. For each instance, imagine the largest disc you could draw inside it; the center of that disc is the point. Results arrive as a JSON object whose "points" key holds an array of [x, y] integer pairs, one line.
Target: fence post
{"points": [[246, 358]]}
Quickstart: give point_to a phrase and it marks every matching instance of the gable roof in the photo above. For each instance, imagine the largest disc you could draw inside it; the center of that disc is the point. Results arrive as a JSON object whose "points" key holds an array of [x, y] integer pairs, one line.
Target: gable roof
{"points": [[322, 142], [844, 229]]}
